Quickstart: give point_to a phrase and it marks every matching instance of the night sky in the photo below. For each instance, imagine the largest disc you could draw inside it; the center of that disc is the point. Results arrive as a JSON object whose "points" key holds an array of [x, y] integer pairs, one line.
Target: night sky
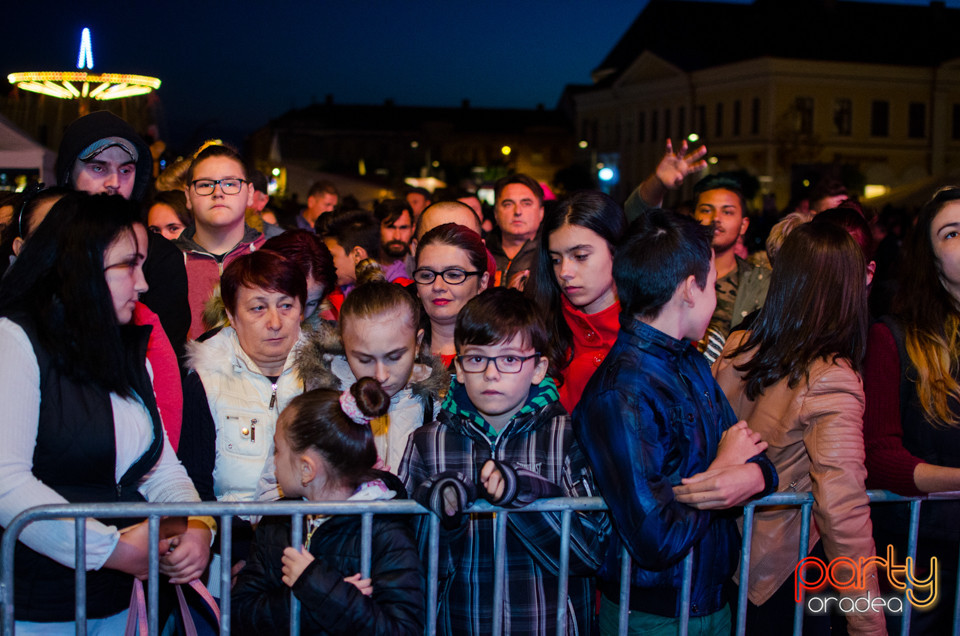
{"points": [[229, 67]]}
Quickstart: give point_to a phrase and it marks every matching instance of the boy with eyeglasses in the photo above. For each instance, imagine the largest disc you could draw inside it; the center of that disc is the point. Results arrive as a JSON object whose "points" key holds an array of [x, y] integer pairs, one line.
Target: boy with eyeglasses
{"points": [[218, 194], [503, 435]]}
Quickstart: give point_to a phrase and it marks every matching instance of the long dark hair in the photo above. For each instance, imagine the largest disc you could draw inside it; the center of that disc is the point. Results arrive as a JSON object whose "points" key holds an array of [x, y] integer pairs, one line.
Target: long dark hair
{"points": [[816, 308], [930, 317], [57, 283], [316, 420], [588, 209]]}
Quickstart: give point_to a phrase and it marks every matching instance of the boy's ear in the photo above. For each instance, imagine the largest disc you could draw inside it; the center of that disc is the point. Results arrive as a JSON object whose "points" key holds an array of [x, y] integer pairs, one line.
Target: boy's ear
{"points": [[688, 289], [250, 192], [744, 224], [358, 254], [543, 363], [459, 376]]}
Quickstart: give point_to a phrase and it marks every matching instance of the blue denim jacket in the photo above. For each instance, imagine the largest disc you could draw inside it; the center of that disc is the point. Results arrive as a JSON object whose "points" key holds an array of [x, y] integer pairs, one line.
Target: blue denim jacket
{"points": [[650, 415]]}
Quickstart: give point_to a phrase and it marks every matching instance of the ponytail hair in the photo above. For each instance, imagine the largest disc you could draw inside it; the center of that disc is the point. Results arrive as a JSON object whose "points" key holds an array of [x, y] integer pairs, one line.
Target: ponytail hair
{"points": [[317, 420]]}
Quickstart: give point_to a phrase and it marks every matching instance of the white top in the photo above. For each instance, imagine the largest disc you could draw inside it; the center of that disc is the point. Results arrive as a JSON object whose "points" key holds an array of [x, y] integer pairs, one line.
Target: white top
{"points": [[20, 489]]}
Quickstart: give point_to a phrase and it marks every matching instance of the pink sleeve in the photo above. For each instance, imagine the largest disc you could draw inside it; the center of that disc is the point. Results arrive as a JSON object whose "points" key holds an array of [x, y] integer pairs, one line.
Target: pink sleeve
{"points": [[889, 465], [166, 374]]}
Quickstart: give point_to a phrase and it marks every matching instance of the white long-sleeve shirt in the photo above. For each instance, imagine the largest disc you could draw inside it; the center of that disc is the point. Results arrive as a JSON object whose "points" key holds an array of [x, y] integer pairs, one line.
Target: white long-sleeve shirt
{"points": [[20, 489]]}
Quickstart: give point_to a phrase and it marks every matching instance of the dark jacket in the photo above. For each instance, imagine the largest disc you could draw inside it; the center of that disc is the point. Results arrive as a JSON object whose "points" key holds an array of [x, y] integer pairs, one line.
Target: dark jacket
{"points": [[75, 455], [507, 267], [164, 269], [650, 415], [329, 605]]}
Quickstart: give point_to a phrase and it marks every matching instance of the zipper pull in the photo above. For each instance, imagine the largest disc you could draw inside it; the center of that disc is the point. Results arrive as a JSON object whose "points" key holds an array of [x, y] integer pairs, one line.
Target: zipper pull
{"points": [[253, 429], [273, 396]]}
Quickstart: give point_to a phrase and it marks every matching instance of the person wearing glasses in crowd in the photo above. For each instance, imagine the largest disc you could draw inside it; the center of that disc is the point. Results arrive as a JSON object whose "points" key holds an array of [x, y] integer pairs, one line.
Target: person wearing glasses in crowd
{"points": [[218, 194], [451, 268], [502, 434]]}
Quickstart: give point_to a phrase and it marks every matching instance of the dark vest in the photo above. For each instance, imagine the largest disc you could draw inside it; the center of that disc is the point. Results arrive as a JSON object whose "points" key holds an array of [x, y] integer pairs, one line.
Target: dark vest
{"points": [[939, 445], [75, 455]]}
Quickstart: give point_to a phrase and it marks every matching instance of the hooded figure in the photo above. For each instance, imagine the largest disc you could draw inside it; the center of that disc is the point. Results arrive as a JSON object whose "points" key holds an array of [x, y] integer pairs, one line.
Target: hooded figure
{"points": [[164, 270]]}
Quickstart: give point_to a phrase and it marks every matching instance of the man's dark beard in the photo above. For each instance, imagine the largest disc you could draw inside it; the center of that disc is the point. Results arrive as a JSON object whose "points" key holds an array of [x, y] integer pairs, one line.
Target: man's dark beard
{"points": [[396, 249]]}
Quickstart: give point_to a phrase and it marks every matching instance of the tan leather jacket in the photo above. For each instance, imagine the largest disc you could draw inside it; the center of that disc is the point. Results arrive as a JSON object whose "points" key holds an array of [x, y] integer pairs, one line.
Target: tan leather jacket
{"points": [[815, 437]]}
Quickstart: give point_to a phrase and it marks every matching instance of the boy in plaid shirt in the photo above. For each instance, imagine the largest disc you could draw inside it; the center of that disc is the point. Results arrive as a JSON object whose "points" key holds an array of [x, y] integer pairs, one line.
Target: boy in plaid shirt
{"points": [[502, 434]]}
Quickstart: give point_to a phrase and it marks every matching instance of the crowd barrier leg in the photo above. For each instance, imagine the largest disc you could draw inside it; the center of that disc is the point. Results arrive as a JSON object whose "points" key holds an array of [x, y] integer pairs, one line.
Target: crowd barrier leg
{"points": [[80, 574], [226, 550]]}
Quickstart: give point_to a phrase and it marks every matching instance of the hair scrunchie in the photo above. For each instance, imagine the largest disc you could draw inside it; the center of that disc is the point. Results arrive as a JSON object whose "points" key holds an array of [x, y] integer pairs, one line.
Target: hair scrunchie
{"points": [[349, 405]]}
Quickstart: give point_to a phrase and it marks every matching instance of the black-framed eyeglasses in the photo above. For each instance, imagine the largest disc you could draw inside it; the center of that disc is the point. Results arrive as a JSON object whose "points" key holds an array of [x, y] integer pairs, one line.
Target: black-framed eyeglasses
{"points": [[504, 364], [205, 187], [453, 276]]}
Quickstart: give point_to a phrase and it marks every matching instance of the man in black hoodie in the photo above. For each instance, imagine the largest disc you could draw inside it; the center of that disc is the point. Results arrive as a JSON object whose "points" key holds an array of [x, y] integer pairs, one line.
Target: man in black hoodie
{"points": [[101, 153]]}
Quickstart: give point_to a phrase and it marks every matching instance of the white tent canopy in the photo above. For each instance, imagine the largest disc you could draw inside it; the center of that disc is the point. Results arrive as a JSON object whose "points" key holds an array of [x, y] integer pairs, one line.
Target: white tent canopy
{"points": [[19, 152]]}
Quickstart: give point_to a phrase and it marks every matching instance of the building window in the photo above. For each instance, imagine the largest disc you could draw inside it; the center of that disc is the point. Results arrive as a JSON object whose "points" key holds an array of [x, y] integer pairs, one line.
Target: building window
{"points": [[654, 124], [702, 120], [843, 116], [718, 124], [682, 121], [917, 124], [804, 107], [641, 127], [755, 116], [736, 118], [879, 118], [667, 127]]}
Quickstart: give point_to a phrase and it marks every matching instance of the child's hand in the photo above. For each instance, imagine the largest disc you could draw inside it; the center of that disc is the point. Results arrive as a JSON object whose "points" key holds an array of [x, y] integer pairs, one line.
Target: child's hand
{"points": [[737, 445], [364, 585], [294, 563], [492, 480], [451, 505]]}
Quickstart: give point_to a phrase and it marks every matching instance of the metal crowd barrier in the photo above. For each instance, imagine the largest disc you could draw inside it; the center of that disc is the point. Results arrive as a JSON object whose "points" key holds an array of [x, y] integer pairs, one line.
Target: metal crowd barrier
{"points": [[297, 510]]}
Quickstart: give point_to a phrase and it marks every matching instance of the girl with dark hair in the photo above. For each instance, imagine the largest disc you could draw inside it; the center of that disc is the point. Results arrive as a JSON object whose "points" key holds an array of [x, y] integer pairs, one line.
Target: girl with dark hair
{"points": [[451, 269], [912, 385], [325, 452], [573, 283], [167, 214], [794, 379], [379, 337], [79, 400]]}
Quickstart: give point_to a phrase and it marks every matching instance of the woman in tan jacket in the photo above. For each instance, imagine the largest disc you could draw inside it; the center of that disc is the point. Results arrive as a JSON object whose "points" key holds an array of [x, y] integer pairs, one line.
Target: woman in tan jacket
{"points": [[795, 379]]}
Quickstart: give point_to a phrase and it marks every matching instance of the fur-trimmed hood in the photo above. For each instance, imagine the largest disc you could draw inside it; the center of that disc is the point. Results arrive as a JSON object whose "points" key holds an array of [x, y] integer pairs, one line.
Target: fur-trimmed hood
{"points": [[223, 350], [322, 364]]}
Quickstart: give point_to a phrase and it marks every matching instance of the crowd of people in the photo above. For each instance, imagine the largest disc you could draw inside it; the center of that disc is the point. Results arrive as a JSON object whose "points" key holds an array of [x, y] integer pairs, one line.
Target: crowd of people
{"points": [[168, 340]]}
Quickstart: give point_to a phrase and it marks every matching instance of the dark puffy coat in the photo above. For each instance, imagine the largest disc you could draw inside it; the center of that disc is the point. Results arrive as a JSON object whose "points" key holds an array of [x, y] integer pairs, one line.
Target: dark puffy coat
{"points": [[329, 605]]}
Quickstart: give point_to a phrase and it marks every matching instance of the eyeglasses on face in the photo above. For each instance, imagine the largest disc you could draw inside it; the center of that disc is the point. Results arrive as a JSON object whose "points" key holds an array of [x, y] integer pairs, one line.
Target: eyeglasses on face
{"points": [[205, 187], [453, 276], [504, 364]]}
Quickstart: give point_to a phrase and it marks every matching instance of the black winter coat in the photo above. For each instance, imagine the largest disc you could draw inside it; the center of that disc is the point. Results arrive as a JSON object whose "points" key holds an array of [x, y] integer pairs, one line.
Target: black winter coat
{"points": [[328, 604]]}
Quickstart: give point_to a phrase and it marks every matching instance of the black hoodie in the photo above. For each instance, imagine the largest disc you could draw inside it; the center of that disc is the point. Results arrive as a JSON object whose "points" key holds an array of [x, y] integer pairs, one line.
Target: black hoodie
{"points": [[164, 269]]}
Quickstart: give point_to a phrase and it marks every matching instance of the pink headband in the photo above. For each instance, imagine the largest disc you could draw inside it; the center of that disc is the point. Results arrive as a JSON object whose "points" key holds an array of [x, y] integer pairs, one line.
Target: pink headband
{"points": [[349, 405]]}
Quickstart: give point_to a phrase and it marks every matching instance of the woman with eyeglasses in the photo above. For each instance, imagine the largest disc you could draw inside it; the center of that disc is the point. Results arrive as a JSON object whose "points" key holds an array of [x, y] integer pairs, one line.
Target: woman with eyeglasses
{"points": [[451, 269], [80, 421]]}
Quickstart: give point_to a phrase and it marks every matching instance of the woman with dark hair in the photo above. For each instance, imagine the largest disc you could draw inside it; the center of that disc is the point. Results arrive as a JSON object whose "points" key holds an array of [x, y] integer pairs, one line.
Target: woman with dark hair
{"points": [[451, 269], [33, 209], [167, 214], [794, 379], [573, 283], [326, 452], [79, 401], [238, 382], [912, 419], [308, 251]]}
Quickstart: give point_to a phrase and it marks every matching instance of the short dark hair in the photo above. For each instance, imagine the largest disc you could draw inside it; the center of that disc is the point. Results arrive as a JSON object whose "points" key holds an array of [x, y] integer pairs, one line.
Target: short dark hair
{"points": [[497, 315], [316, 419], [720, 182], [521, 179], [352, 228], [662, 249], [262, 269], [176, 200], [421, 191], [459, 236], [322, 187], [389, 211], [306, 249], [215, 150], [827, 187], [259, 181]]}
